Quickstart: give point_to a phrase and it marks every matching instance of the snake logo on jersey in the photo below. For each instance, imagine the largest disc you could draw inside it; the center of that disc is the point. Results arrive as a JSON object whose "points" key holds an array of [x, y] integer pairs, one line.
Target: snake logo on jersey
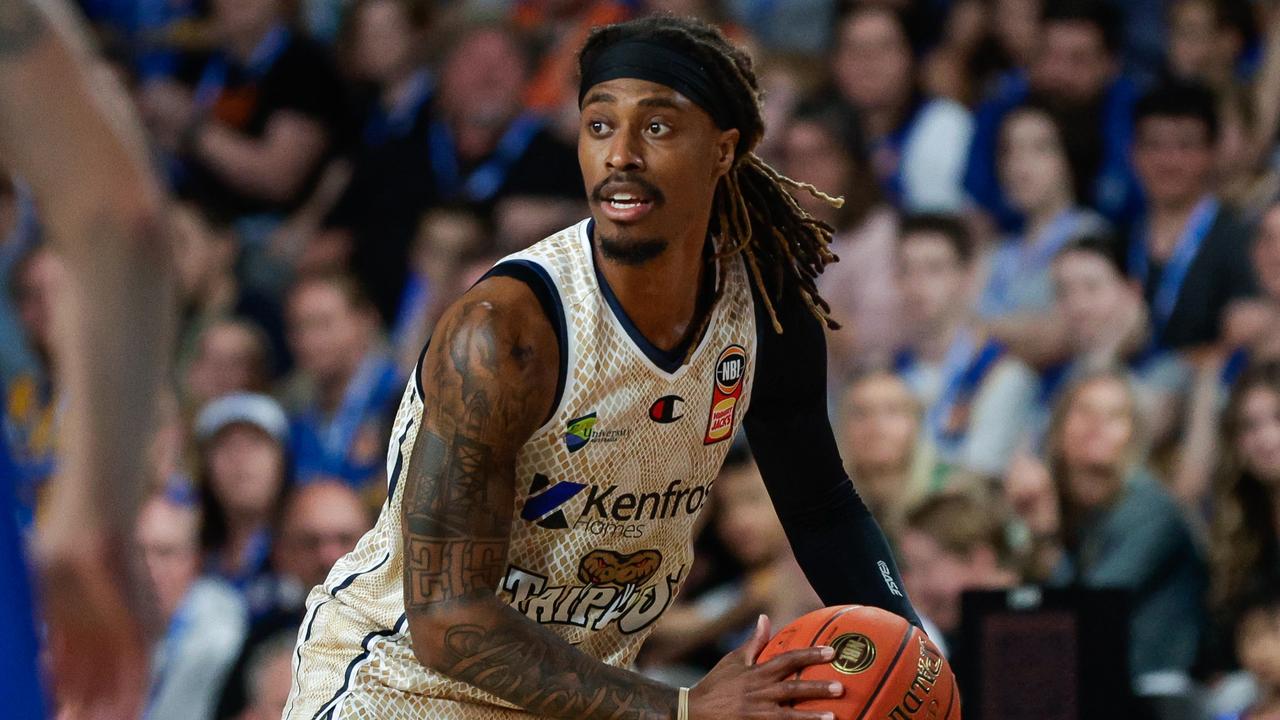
{"points": [[615, 588]]}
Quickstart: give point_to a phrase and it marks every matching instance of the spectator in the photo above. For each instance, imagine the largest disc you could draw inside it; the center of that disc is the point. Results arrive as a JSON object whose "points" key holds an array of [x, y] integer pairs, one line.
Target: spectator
{"points": [[484, 145], [205, 618], [1257, 642], [918, 144], [29, 399], [952, 543], [560, 27], [823, 145], [447, 240], [1190, 252], [270, 676], [207, 252], [1253, 330], [231, 356], [319, 523], [1207, 39], [1110, 524], [976, 396], [1040, 175], [375, 219], [1105, 325], [1246, 540], [982, 42], [349, 384], [242, 480], [267, 111], [1076, 72], [880, 436]]}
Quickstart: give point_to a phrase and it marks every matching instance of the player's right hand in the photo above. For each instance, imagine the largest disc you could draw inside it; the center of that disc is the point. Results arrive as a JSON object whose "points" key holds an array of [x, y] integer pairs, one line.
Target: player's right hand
{"points": [[738, 689]]}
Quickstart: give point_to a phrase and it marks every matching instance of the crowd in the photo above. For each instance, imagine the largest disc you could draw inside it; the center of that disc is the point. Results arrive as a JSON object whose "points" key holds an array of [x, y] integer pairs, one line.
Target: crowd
{"points": [[1059, 291]]}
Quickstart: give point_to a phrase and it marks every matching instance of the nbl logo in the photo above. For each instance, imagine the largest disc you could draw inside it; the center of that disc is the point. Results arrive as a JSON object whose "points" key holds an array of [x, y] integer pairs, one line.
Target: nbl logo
{"points": [[731, 368]]}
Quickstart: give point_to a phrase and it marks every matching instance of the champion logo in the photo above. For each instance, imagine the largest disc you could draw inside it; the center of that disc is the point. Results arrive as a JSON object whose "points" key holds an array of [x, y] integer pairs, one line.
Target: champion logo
{"points": [[667, 409], [545, 500]]}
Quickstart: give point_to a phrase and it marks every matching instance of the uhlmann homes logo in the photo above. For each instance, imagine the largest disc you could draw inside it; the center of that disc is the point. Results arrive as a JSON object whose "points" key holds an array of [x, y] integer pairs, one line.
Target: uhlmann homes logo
{"points": [[605, 509], [583, 430]]}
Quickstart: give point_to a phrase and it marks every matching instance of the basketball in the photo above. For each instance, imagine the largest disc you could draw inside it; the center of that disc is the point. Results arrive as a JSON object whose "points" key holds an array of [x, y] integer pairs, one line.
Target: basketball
{"points": [[889, 668]]}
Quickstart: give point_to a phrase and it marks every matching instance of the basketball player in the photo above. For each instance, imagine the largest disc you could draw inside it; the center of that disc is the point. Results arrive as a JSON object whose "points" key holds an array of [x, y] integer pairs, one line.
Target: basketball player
{"points": [[568, 418], [66, 132]]}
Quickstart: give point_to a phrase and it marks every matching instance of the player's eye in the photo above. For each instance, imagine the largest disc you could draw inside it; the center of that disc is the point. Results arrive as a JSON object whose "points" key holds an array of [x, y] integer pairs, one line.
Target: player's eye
{"points": [[598, 127], [657, 128]]}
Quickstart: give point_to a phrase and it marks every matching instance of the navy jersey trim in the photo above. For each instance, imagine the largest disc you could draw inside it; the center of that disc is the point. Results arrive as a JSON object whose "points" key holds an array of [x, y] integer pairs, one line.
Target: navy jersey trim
{"points": [[668, 361], [399, 468], [544, 289], [327, 710]]}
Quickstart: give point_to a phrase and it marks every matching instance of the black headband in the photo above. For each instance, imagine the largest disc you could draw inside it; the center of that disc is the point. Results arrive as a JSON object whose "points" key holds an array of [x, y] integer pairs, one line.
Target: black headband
{"points": [[658, 62]]}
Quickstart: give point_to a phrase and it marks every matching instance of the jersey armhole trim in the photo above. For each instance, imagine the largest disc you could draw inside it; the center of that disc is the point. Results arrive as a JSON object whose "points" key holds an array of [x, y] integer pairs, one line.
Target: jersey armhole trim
{"points": [[544, 289]]}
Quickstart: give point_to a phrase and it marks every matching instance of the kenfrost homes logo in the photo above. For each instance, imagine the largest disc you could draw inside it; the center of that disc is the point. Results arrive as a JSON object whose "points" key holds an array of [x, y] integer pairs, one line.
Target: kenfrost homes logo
{"points": [[581, 431], [607, 510]]}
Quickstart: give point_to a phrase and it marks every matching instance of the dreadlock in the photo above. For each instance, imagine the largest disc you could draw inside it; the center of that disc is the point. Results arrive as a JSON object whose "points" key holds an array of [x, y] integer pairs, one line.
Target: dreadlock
{"points": [[754, 212]]}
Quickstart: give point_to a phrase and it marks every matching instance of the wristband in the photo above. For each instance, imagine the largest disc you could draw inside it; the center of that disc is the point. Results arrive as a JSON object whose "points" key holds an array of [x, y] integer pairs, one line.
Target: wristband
{"points": [[682, 705]]}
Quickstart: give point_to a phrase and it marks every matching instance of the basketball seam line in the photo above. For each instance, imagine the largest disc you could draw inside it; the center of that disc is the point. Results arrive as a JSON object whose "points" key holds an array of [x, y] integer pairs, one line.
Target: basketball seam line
{"points": [[884, 679], [825, 625], [951, 701]]}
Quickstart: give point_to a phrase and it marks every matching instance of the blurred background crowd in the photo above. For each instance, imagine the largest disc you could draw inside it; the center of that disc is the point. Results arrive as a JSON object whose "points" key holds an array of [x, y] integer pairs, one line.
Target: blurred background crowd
{"points": [[1059, 286]]}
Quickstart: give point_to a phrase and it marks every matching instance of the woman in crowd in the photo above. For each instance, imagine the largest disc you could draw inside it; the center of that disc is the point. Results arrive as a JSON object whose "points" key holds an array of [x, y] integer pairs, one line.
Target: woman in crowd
{"points": [[1247, 487], [880, 439], [1106, 522], [1041, 173], [243, 476], [824, 144]]}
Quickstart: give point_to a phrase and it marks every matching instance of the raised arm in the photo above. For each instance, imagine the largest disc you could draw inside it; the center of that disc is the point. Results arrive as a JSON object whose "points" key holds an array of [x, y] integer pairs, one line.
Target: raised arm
{"points": [[489, 380], [68, 131]]}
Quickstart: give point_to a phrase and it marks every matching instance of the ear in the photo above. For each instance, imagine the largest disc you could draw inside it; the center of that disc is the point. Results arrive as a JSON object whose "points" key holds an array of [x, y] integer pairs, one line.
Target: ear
{"points": [[726, 150]]}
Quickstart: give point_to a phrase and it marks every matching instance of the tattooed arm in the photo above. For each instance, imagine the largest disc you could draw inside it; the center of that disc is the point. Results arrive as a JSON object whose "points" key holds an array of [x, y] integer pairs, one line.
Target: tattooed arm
{"points": [[489, 379], [67, 131]]}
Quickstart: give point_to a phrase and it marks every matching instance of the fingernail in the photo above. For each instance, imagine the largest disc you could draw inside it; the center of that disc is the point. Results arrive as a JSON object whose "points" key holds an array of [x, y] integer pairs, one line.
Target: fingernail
{"points": [[828, 716], [828, 652], [835, 688]]}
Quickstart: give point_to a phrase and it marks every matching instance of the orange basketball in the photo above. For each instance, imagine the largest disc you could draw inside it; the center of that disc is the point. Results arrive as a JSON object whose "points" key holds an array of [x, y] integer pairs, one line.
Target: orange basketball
{"points": [[889, 667]]}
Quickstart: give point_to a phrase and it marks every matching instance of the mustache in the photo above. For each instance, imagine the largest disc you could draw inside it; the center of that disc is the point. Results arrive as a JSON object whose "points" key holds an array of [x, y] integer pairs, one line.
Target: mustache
{"points": [[648, 188]]}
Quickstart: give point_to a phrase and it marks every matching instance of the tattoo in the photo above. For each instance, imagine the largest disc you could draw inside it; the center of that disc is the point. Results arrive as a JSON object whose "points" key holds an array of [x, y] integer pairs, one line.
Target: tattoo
{"points": [[549, 679], [21, 26], [482, 400]]}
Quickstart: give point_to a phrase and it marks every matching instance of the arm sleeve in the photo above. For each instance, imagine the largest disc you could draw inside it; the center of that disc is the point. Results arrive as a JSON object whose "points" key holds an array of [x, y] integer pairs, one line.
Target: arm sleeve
{"points": [[835, 539]]}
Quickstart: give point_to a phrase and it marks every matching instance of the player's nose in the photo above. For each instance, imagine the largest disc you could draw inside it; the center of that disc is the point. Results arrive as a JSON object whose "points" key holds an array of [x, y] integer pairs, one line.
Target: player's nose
{"points": [[625, 153]]}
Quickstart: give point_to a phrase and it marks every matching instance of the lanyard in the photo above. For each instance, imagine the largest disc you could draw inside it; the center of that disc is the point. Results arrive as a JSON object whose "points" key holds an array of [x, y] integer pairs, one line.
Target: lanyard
{"points": [[169, 651], [397, 121], [486, 180], [338, 435], [214, 79], [1175, 271], [1030, 256], [963, 369]]}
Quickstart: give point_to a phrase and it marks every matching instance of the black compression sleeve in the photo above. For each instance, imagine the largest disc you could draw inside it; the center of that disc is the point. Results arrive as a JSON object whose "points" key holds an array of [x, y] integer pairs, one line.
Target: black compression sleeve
{"points": [[835, 539]]}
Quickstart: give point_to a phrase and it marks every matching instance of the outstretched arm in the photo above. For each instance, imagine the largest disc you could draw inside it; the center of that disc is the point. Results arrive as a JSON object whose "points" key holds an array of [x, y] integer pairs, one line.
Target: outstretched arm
{"points": [[66, 128], [834, 537]]}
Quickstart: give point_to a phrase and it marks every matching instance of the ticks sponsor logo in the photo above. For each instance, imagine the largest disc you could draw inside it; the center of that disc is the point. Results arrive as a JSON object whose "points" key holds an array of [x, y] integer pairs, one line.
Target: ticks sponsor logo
{"points": [[731, 368], [667, 409]]}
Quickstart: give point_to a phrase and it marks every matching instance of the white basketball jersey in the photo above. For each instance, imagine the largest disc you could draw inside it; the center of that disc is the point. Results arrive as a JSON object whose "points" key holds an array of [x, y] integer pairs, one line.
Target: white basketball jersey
{"points": [[607, 494]]}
